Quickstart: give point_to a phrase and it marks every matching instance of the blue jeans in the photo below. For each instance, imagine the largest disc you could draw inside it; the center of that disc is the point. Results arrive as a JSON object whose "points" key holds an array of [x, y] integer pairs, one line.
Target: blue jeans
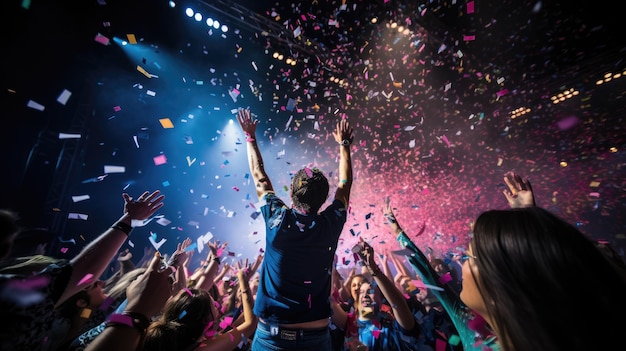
{"points": [[270, 338]]}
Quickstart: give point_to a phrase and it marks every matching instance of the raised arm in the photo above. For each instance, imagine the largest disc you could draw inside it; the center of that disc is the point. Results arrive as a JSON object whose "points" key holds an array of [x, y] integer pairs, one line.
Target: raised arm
{"points": [[176, 261], [519, 193], [207, 278], [228, 341], [146, 296], [95, 257], [396, 299], [343, 135], [420, 263], [262, 182]]}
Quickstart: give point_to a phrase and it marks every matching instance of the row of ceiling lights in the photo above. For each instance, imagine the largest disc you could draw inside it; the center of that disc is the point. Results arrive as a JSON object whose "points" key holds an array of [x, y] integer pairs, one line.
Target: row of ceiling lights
{"points": [[569, 93], [210, 22], [290, 60]]}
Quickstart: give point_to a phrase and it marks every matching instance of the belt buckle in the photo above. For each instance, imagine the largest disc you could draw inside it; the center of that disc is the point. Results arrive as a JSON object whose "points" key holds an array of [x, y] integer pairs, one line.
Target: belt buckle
{"points": [[288, 335]]}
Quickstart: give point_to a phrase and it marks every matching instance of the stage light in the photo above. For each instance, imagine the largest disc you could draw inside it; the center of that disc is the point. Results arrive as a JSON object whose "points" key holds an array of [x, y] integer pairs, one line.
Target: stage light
{"points": [[189, 12], [198, 16], [172, 4], [374, 19], [209, 22], [216, 24], [275, 55], [224, 28]]}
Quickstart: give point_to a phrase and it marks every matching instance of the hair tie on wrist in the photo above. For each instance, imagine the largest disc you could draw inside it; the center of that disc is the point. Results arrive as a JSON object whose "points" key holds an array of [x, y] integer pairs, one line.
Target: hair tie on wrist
{"points": [[124, 227]]}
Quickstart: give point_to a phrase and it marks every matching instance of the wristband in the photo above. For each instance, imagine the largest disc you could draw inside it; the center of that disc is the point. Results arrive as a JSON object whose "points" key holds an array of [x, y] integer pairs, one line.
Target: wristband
{"points": [[130, 319], [126, 228]]}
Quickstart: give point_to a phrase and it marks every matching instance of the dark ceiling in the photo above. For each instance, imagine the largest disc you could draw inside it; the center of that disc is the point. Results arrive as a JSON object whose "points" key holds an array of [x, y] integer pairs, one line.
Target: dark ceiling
{"points": [[431, 109]]}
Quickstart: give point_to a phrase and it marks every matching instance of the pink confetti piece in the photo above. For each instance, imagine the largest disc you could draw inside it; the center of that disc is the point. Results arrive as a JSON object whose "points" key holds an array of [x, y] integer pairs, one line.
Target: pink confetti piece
{"points": [[445, 140], [29, 283], [308, 172], [309, 300], [226, 322], [64, 249], [85, 279], [159, 160], [106, 303], [440, 345], [470, 7], [446, 278], [102, 39], [117, 108], [469, 37], [188, 291], [375, 333]]}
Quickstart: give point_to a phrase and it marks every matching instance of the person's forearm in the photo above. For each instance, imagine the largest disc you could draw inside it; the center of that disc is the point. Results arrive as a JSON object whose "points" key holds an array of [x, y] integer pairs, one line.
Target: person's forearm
{"points": [[387, 269], [448, 298], [393, 224], [207, 279], [257, 170], [247, 302], [345, 166], [95, 257], [395, 298], [338, 316]]}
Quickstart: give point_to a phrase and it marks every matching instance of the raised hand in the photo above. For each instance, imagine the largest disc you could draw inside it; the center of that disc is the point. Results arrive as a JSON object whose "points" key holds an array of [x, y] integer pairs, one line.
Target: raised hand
{"points": [[149, 292], [343, 131], [520, 192], [124, 255], [248, 125], [145, 205], [180, 255]]}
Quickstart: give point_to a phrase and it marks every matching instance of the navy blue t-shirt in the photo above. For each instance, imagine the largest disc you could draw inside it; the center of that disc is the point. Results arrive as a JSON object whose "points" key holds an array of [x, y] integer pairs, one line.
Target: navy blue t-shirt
{"points": [[296, 271]]}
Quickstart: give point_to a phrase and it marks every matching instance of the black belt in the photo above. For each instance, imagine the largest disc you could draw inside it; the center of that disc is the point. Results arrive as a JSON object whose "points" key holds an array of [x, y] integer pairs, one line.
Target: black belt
{"points": [[289, 333]]}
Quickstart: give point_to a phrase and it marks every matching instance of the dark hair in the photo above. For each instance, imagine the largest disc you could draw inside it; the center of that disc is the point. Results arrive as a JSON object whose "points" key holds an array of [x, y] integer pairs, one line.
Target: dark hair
{"points": [[309, 190], [185, 317], [545, 284]]}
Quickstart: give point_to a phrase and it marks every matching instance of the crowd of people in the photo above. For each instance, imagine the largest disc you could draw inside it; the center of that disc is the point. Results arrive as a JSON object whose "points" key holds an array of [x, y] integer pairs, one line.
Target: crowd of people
{"points": [[518, 286]]}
